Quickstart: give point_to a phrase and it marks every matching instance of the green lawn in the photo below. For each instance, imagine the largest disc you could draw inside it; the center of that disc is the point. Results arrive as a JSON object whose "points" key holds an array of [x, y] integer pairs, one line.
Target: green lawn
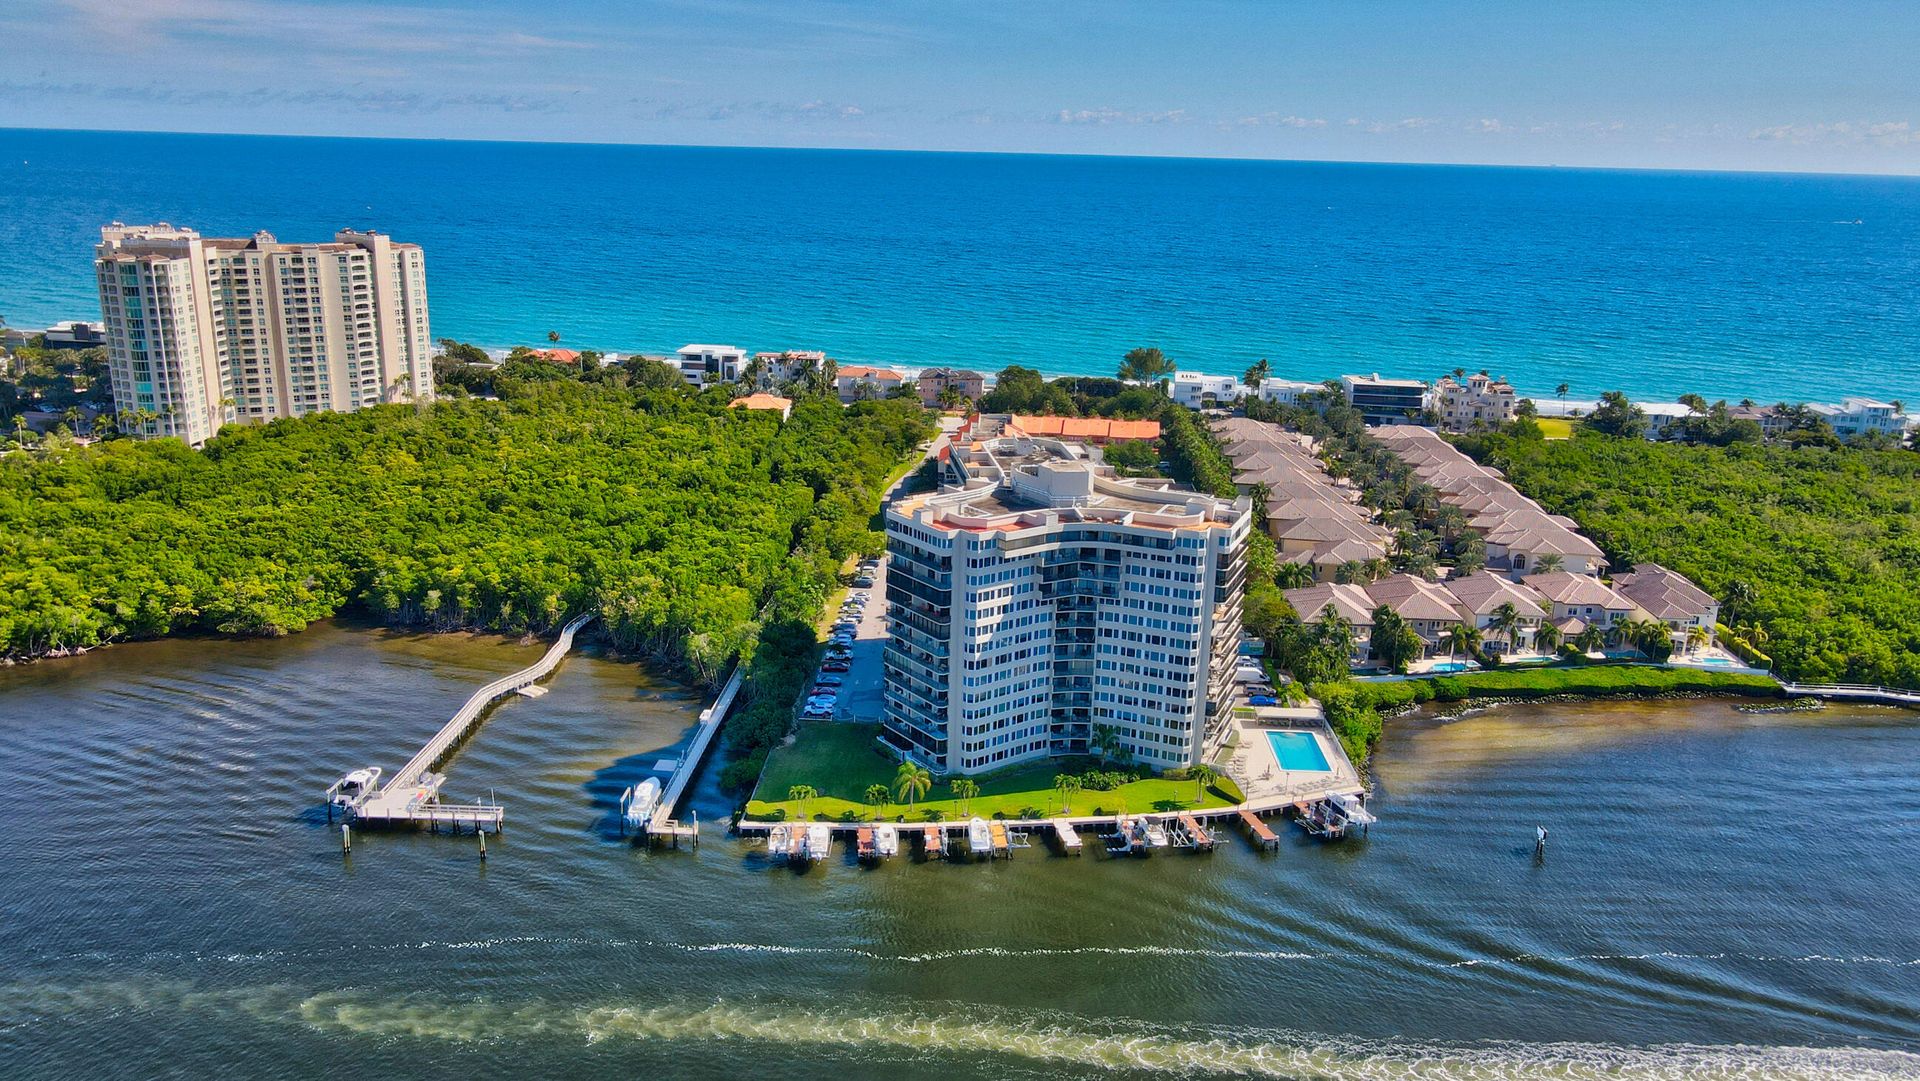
{"points": [[841, 760], [1555, 427]]}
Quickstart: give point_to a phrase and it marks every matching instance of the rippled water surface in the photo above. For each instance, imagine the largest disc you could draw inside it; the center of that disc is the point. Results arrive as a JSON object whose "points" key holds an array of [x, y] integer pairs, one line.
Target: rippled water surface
{"points": [[1725, 896]]}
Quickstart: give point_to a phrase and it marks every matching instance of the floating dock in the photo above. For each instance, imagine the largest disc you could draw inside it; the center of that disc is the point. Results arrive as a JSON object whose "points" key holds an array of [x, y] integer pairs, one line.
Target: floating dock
{"points": [[1068, 836], [412, 796]]}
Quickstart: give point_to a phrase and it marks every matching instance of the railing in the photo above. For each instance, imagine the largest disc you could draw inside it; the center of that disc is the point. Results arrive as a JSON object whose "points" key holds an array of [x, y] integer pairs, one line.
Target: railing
{"points": [[1903, 694], [451, 732]]}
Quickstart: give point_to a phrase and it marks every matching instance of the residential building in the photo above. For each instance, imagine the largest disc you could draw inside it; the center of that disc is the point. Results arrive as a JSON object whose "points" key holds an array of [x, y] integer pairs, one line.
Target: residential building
{"points": [[1313, 519], [771, 403], [1385, 401], [769, 370], [1426, 606], [1479, 599], [1858, 416], [1772, 422], [1284, 391], [206, 331], [1581, 599], [1480, 401], [858, 381], [933, 381], [703, 365], [1670, 598], [1349, 602], [75, 334], [1196, 390], [1036, 595]]}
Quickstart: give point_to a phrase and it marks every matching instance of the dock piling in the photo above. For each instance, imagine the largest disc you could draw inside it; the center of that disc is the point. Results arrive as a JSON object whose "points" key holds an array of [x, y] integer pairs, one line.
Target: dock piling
{"points": [[346, 838]]}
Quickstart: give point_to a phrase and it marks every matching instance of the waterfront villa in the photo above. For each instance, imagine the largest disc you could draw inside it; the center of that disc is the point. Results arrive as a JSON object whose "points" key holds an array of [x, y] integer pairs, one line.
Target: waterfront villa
{"points": [[1580, 598], [1481, 401], [1384, 401], [933, 381], [1426, 606], [1670, 598], [1350, 602], [1312, 518], [701, 365], [1037, 594], [857, 381], [1479, 598]]}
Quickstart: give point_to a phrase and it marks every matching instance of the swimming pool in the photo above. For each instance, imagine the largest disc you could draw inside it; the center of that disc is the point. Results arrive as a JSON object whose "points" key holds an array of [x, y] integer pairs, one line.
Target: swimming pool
{"points": [[1449, 666], [1713, 660], [1298, 751]]}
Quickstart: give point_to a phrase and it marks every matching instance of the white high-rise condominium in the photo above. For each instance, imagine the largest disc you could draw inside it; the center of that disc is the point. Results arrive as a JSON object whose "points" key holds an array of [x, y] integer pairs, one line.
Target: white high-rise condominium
{"points": [[1037, 596], [207, 331]]}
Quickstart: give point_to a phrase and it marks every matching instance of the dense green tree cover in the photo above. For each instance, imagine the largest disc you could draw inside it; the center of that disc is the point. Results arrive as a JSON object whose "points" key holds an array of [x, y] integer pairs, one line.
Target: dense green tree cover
{"points": [[672, 514], [1197, 460], [1134, 457], [1819, 547]]}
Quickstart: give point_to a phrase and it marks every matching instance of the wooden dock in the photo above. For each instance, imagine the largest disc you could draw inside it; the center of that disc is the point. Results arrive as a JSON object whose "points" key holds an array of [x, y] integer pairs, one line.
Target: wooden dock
{"points": [[1262, 835], [663, 823], [1855, 692], [412, 796]]}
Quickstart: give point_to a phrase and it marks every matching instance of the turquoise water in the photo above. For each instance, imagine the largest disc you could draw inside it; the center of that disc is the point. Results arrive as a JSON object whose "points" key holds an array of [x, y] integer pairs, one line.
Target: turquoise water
{"points": [[1449, 666], [1298, 751], [1795, 287]]}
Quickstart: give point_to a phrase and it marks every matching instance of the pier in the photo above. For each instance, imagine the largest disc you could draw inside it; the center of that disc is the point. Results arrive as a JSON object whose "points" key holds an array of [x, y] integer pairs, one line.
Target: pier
{"points": [[663, 824], [412, 796], [1855, 692]]}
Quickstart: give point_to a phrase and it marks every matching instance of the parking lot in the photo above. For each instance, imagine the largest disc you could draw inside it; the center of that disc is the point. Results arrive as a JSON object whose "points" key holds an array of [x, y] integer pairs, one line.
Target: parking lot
{"points": [[857, 695]]}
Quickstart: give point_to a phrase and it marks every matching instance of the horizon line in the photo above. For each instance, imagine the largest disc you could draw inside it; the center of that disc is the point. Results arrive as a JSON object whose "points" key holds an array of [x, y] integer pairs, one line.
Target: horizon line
{"points": [[1544, 167]]}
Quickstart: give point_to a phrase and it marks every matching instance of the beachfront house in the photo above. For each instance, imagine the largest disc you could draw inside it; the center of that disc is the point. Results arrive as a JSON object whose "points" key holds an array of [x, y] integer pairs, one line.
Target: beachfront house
{"points": [[1197, 390], [1479, 401], [702, 365], [1385, 401], [934, 381], [1285, 391], [856, 382], [1670, 598], [1858, 416], [771, 403]]}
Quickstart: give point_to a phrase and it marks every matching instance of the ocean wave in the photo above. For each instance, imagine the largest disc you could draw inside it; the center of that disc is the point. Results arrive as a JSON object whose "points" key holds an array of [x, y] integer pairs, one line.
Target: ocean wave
{"points": [[1056, 1041]]}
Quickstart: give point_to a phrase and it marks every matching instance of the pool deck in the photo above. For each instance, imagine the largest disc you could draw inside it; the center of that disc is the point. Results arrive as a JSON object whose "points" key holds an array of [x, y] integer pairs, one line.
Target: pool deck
{"points": [[1268, 784]]}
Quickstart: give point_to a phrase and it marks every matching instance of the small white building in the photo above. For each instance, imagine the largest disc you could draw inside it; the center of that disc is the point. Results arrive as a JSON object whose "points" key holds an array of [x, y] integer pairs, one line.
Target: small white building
{"points": [[706, 364], [1197, 390], [1285, 391], [1857, 416]]}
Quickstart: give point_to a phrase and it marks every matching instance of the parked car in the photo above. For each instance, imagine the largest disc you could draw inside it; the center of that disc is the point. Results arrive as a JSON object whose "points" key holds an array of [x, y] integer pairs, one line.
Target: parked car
{"points": [[864, 581], [828, 680], [841, 667], [1262, 700]]}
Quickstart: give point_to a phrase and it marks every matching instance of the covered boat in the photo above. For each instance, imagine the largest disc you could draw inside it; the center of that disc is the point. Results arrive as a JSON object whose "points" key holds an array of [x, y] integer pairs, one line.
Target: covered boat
{"points": [[638, 803]]}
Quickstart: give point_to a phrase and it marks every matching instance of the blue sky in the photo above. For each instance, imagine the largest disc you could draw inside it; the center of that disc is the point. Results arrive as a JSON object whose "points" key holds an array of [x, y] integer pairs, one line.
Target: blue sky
{"points": [[1679, 83]]}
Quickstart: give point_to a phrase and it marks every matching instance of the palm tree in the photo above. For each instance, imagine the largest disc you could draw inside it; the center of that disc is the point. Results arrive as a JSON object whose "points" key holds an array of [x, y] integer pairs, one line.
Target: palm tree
{"points": [[1459, 638], [1590, 639], [1561, 391], [553, 336], [1106, 741], [1066, 784], [1506, 621], [911, 782], [1203, 775], [1293, 576], [1548, 563], [1546, 638], [964, 790], [1257, 374], [1697, 637], [801, 793], [876, 798]]}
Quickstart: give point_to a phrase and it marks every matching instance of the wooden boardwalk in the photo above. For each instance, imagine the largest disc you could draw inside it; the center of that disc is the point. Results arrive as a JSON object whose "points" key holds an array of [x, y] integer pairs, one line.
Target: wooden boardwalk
{"points": [[412, 796]]}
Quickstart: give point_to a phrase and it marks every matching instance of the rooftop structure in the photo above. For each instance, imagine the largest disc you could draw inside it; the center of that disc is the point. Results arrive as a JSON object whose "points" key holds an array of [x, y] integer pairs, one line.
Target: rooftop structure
{"points": [[1669, 597], [1037, 594], [1312, 518], [771, 403], [1098, 430]]}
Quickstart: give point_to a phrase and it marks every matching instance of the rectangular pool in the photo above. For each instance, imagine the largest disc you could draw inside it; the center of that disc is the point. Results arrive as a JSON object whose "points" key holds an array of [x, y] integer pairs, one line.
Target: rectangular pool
{"points": [[1298, 751]]}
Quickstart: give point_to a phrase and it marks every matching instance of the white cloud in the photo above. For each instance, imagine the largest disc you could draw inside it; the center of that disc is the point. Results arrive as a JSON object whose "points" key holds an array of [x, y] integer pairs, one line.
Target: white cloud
{"points": [[1109, 115], [1886, 133], [1276, 120], [361, 29], [1382, 127]]}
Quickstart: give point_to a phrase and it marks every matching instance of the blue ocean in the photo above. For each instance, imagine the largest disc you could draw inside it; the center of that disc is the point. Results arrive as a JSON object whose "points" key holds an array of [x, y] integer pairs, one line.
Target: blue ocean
{"points": [[1774, 287]]}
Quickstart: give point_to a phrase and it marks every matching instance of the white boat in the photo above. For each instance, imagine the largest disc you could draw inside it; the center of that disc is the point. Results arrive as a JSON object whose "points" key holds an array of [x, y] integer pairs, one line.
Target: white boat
{"points": [[1156, 834], [778, 842], [886, 840], [638, 803], [979, 838], [819, 841], [355, 787]]}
